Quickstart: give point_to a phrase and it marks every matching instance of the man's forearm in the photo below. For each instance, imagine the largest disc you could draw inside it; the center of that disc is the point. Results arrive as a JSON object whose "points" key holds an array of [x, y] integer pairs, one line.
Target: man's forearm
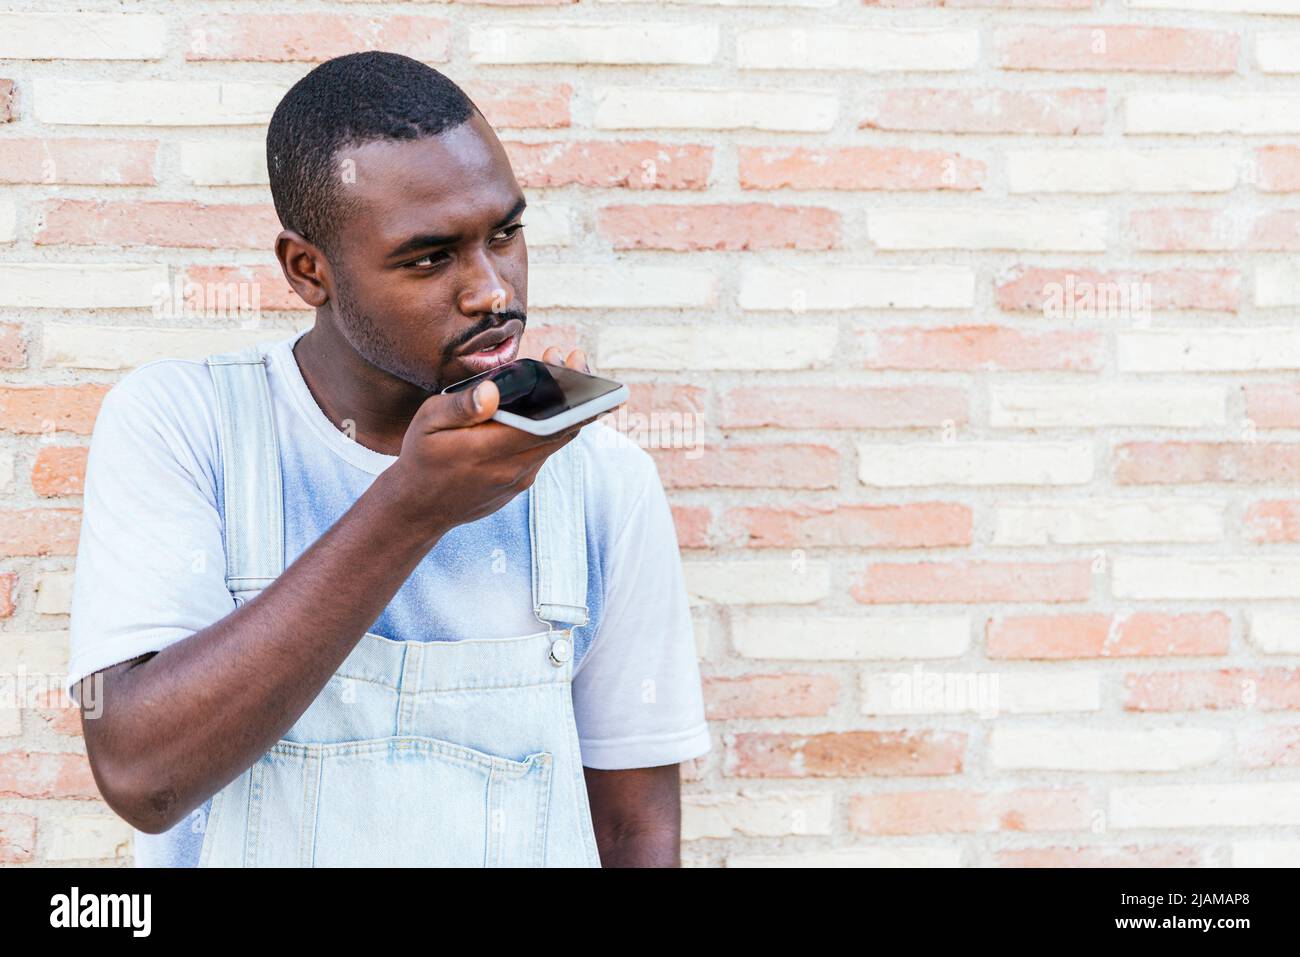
{"points": [[179, 725]]}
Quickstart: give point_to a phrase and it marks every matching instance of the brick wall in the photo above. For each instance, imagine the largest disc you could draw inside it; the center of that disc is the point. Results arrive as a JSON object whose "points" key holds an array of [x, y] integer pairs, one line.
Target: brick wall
{"points": [[972, 324]]}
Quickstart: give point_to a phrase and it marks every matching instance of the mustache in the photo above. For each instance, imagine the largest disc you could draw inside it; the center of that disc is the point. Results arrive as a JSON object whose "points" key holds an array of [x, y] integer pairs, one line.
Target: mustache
{"points": [[492, 322]]}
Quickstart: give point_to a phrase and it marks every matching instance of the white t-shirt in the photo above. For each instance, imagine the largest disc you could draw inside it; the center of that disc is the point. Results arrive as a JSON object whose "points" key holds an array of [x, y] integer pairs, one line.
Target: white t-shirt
{"points": [[150, 562]]}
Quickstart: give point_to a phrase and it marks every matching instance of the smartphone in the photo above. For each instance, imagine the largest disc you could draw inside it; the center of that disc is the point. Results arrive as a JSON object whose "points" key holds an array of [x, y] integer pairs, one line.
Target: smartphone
{"points": [[543, 399]]}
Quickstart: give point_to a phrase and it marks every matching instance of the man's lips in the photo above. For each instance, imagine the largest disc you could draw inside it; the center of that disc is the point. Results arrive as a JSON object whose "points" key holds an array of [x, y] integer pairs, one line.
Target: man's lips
{"points": [[490, 349]]}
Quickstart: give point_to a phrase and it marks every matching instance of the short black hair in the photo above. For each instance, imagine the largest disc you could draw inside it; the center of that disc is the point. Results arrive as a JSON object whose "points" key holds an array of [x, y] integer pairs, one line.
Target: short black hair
{"points": [[346, 102]]}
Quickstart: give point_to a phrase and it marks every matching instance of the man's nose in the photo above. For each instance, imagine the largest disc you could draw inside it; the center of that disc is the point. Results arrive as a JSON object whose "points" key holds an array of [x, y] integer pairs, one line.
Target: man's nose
{"points": [[485, 290]]}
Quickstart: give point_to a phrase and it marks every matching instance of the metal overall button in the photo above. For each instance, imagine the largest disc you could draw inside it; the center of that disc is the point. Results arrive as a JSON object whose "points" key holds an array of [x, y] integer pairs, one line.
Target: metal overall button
{"points": [[561, 649]]}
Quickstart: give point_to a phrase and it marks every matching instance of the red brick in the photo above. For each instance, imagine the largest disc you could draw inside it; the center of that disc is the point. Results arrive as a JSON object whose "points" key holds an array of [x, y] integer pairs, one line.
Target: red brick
{"points": [[969, 812], [93, 162], [1277, 169], [1025, 288], [999, 4], [692, 525], [522, 105], [845, 407], [1129, 855], [982, 348], [1137, 634], [845, 754], [912, 525], [1192, 230], [61, 408], [1273, 689], [1051, 112], [273, 292], [538, 338], [59, 470], [279, 37], [13, 346], [87, 222], [1273, 405], [46, 774], [1276, 746], [925, 582], [640, 164], [719, 226], [39, 531], [749, 466], [1273, 521], [17, 838], [7, 581], [1116, 48], [769, 696], [856, 167], [1183, 463]]}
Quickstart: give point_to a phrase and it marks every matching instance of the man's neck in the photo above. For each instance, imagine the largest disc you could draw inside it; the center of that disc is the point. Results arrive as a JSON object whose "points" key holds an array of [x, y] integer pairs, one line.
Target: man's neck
{"points": [[372, 406]]}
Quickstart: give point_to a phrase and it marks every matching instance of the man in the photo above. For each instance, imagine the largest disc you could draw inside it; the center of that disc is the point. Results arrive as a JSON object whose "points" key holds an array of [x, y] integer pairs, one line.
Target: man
{"points": [[329, 627]]}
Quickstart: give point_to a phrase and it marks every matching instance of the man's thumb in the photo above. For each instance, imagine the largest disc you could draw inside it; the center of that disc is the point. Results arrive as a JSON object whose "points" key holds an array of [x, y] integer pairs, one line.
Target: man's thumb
{"points": [[467, 407]]}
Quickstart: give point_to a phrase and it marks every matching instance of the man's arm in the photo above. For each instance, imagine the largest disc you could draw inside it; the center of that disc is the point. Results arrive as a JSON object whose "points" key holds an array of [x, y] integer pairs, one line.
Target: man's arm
{"points": [[178, 725], [637, 816]]}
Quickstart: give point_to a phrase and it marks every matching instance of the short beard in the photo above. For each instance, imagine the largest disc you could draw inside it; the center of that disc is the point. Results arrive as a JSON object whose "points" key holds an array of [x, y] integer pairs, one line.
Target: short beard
{"points": [[369, 339]]}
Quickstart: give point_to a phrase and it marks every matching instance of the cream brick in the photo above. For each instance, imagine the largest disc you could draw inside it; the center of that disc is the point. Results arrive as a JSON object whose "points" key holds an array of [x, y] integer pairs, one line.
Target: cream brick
{"points": [[224, 162], [1211, 113], [847, 638], [79, 285], [85, 837], [6, 470], [1278, 52], [893, 855], [975, 463], [733, 3], [54, 593], [987, 693], [1238, 349], [1057, 749], [617, 286], [756, 814], [574, 42], [1197, 579], [636, 108], [757, 582], [8, 221], [976, 227], [1279, 853], [849, 48], [732, 346], [1260, 804], [11, 721], [800, 288], [77, 346], [1275, 632], [1098, 521], [81, 36], [1277, 284], [34, 653], [155, 102], [1122, 170], [1067, 406]]}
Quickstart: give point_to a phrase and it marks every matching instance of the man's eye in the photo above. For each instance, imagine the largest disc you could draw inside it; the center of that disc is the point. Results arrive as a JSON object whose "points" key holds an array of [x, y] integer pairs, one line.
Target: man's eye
{"points": [[430, 260], [509, 232]]}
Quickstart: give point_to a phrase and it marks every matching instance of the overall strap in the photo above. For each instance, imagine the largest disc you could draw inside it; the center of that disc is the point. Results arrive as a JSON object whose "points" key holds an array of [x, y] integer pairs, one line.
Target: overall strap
{"points": [[557, 528], [250, 468]]}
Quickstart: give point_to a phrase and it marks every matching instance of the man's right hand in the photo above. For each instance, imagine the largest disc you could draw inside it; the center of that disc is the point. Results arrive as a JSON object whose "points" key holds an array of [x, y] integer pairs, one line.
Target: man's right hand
{"points": [[457, 466]]}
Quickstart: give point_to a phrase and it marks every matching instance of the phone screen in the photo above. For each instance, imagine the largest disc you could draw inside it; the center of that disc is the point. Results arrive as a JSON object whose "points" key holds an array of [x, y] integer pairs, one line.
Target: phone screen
{"points": [[535, 390]]}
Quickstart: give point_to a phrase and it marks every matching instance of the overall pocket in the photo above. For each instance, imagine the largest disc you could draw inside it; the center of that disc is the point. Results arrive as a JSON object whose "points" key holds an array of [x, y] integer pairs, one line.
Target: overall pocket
{"points": [[398, 802]]}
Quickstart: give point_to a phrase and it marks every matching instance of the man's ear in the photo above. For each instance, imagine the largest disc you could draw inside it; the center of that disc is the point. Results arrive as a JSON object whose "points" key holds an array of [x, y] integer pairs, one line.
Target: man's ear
{"points": [[304, 266]]}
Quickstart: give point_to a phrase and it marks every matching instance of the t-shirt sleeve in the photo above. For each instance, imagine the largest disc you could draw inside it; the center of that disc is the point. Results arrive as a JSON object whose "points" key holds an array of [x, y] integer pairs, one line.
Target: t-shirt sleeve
{"points": [[150, 567], [637, 695]]}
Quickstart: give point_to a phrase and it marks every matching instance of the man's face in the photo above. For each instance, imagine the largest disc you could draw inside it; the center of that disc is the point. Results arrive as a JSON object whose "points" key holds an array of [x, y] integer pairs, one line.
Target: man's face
{"points": [[432, 256]]}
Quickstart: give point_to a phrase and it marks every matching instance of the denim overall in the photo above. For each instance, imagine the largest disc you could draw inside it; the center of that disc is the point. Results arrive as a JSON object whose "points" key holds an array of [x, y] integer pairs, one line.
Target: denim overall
{"points": [[416, 753]]}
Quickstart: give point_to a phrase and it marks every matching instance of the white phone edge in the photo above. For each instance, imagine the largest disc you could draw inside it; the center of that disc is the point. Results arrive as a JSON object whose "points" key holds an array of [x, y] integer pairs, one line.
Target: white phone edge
{"points": [[557, 423]]}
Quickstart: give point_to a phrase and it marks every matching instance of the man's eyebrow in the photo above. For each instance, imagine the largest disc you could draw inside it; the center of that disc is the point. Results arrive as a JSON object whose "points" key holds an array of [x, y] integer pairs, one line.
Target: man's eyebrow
{"points": [[429, 240]]}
